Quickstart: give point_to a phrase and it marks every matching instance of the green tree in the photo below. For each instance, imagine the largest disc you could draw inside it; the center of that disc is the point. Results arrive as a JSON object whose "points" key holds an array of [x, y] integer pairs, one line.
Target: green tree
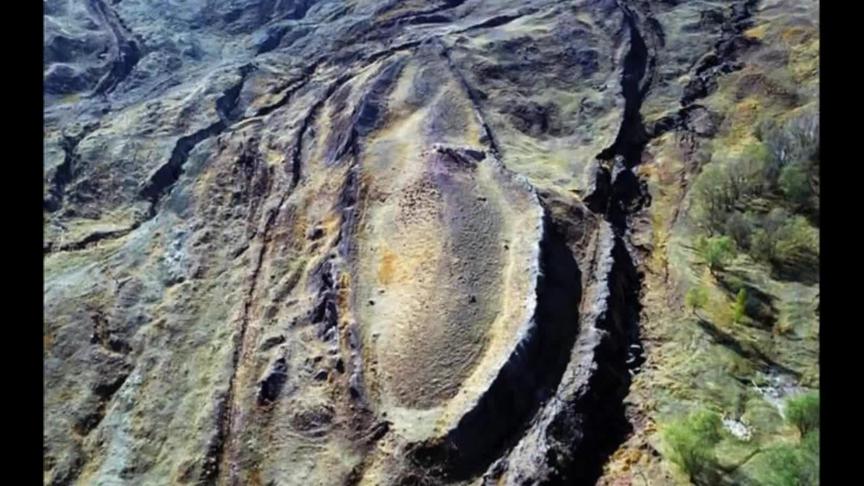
{"points": [[713, 198], [789, 243], [746, 173], [696, 298], [794, 181], [794, 141], [797, 239], [740, 227], [803, 412], [724, 186], [691, 443], [716, 251], [762, 246]]}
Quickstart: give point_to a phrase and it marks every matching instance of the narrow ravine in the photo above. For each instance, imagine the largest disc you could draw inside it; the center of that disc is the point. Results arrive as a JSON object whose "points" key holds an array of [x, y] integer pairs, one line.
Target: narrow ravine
{"points": [[618, 194]]}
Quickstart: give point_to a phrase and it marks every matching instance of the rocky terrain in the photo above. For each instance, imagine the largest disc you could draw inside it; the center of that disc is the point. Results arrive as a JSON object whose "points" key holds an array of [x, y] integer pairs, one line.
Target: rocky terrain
{"points": [[370, 242]]}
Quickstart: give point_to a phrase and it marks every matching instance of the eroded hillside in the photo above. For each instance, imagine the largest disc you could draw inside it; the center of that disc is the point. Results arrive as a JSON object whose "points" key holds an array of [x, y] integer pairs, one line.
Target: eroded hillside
{"points": [[424, 242]]}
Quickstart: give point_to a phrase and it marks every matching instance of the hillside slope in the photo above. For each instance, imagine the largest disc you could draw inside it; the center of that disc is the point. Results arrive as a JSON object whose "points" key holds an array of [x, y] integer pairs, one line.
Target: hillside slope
{"points": [[426, 242]]}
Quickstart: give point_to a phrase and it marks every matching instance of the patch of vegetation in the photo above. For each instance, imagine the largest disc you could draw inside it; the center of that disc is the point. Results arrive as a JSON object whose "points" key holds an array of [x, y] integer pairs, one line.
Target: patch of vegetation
{"points": [[789, 244], [695, 442], [803, 413], [766, 200], [696, 298], [793, 464], [723, 188], [794, 181], [691, 443], [716, 251], [785, 465]]}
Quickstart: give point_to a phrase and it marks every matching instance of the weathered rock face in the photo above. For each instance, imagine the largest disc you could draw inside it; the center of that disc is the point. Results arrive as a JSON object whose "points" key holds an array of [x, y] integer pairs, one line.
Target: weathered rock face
{"points": [[349, 242]]}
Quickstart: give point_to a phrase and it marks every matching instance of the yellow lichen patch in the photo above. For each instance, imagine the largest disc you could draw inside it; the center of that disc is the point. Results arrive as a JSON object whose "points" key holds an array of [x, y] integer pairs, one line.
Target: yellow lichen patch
{"points": [[804, 62], [70, 98], [387, 267], [756, 33], [742, 118], [47, 342], [274, 157], [797, 35]]}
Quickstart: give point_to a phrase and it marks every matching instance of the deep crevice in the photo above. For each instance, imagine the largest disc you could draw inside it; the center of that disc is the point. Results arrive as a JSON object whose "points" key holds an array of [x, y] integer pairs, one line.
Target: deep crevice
{"points": [[722, 59], [619, 193], [65, 172], [410, 18], [631, 138], [600, 414], [93, 238], [163, 180], [125, 52], [290, 90], [596, 424], [498, 21]]}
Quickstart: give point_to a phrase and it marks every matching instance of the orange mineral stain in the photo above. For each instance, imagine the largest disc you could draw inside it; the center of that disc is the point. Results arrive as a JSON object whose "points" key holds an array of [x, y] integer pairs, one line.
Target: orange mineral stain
{"points": [[387, 267]]}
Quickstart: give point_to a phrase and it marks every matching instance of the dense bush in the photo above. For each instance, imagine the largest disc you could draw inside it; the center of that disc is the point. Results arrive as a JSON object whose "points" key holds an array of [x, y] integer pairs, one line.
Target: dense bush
{"points": [[779, 237], [787, 465], [723, 188], [793, 163], [767, 198], [740, 227], [715, 251], [803, 413], [795, 140], [696, 298], [790, 246], [691, 443], [713, 198], [794, 181], [793, 464]]}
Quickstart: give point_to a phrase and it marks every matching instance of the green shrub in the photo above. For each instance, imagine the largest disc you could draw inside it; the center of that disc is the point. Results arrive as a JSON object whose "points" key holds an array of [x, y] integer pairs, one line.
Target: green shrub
{"points": [[797, 240], [716, 251], [762, 246], [696, 298], [803, 413], [722, 188], [790, 244], [810, 443], [740, 226], [786, 465], [748, 171], [794, 181], [691, 443], [793, 464], [796, 140], [713, 198]]}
